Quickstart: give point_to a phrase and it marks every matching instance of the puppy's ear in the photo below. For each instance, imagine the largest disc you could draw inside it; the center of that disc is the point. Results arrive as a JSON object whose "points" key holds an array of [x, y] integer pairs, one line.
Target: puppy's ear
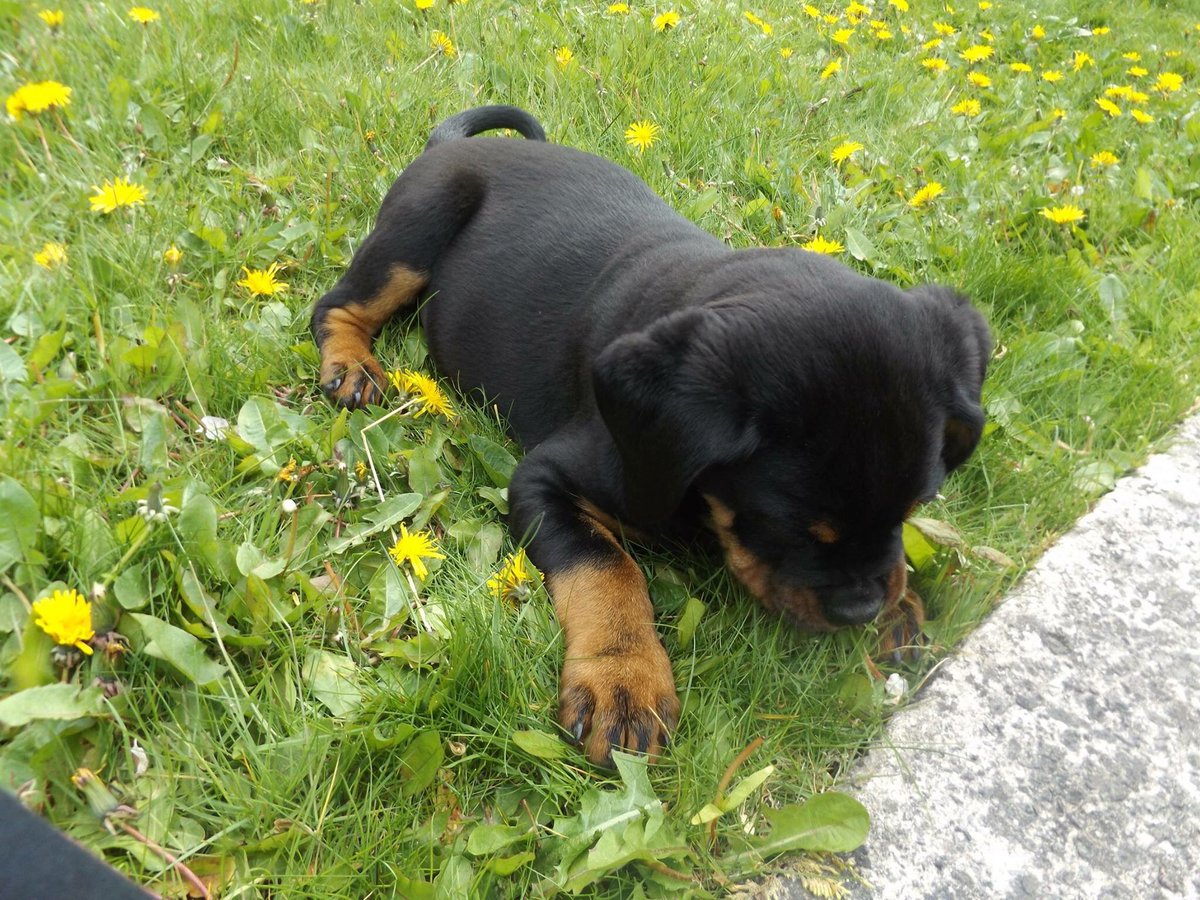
{"points": [[966, 341], [670, 403]]}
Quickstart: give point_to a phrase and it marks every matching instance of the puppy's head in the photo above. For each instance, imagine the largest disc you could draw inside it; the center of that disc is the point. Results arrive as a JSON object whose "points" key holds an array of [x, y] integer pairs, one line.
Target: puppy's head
{"points": [[811, 427]]}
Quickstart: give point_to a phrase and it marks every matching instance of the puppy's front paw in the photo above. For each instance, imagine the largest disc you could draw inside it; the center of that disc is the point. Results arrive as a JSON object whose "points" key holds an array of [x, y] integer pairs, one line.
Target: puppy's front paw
{"points": [[622, 700], [352, 379], [901, 628]]}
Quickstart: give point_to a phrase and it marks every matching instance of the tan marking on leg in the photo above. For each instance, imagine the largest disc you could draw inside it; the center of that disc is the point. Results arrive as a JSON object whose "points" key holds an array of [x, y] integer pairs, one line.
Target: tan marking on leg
{"points": [[610, 522], [617, 687], [347, 331]]}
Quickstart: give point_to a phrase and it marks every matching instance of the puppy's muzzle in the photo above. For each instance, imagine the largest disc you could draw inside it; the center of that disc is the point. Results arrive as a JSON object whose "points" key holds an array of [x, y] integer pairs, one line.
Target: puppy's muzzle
{"points": [[855, 603]]}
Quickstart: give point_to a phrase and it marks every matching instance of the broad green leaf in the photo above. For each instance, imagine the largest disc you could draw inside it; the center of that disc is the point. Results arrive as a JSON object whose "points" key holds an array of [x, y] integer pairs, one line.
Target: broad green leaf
{"points": [[826, 823], [19, 522], [506, 865], [419, 762], [485, 839], [424, 473], [736, 797], [178, 648], [860, 246], [918, 550], [384, 516], [333, 680], [197, 526], [155, 436], [12, 367], [95, 548], [540, 744], [50, 701], [390, 596], [689, 619], [252, 561], [497, 462]]}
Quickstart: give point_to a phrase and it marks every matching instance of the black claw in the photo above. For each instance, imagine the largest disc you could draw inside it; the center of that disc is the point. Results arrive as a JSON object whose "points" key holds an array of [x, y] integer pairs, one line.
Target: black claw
{"points": [[577, 732], [331, 386], [357, 396]]}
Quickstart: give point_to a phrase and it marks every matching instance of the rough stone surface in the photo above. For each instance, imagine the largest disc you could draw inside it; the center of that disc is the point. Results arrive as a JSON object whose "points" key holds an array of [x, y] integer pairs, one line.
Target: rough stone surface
{"points": [[1057, 754]]}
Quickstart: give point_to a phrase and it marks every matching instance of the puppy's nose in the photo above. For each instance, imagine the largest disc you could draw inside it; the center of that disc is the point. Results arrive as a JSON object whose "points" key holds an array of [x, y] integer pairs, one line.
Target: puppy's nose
{"points": [[855, 603]]}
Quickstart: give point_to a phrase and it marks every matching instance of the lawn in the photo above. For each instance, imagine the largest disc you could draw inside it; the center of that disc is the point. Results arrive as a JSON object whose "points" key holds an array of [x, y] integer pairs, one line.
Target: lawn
{"points": [[273, 698]]}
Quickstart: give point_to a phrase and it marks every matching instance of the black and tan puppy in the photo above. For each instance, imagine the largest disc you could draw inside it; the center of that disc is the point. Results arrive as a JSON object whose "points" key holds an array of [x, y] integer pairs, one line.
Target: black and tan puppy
{"points": [[660, 380]]}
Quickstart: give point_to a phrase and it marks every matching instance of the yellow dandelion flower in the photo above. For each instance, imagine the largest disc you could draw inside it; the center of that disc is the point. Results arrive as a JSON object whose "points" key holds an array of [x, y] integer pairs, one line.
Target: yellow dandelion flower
{"points": [[440, 41], [969, 107], [1101, 31], [1104, 159], [844, 151], [51, 255], [926, 195], [641, 136], [172, 256], [52, 17], [143, 15], [115, 194], [37, 97], [785, 52], [1052, 75], [1108, 106], [944, 29], [512, 580], [1037, 33], [1168, 82], [361, 471], [765, 27], [666, 21], [985, 5], [979, 79], [428, 394], [1132, 56], [1143, 117], [830, 70], [424, 4], [618, 9], [288, 472], [977, 53], [1020, 67], [830, 19], [1067, 214], [935, 64], [988, 36], [882, 34], [563, 56], [932, 44], [901, 5], [1136, 71], [414, 548], [842, 36], [1080, 60], [261, 282], [1138, 96], [820, 245], [1123, 91], [811, 11], [856, 12], [1058, 114], [67, 617]]}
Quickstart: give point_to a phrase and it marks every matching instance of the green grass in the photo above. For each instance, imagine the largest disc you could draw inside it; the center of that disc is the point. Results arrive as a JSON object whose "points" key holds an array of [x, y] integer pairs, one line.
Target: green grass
{"points": [[348, 746]]}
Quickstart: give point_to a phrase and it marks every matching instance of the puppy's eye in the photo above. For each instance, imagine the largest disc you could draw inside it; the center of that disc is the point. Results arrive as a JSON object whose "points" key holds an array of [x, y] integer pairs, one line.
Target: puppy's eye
{"points": [[824, 532]]}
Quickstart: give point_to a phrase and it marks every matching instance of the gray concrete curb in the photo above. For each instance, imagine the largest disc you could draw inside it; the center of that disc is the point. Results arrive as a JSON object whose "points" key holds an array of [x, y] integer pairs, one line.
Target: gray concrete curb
{"points": [[1057, 754]]}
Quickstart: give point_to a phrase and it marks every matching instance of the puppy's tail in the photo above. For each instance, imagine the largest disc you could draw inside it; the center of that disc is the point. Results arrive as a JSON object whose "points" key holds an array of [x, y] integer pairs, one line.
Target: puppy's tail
{"points": [[486, 118]]}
